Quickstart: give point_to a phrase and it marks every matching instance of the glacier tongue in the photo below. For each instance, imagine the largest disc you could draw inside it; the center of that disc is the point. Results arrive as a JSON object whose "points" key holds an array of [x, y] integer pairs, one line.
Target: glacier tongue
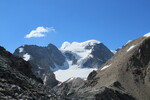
{"points": [[73, 71], [67, 71]]}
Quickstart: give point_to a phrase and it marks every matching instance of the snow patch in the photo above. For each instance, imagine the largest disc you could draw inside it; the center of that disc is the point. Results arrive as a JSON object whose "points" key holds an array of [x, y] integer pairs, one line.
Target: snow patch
{"points": [[70, 79], [139, 50], [45, 79], [113, 51], [147, 35], [106, 67], [131, 48], [26, 57], [59, 84], [128, 42], [21, 50]]}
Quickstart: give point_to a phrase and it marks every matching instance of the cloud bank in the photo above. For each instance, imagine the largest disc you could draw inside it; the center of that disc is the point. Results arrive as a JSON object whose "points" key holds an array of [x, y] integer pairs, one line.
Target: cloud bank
{"points": [[39, 32]]}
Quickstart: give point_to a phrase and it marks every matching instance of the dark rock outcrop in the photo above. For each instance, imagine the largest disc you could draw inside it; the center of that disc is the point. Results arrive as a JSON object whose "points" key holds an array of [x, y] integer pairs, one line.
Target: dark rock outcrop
{"points": [[92, 75], [69, 87]]}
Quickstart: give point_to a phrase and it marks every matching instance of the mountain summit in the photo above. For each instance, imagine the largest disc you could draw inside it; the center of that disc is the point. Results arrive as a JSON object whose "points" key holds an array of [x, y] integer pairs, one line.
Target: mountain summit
{"points": [[90, 53]]}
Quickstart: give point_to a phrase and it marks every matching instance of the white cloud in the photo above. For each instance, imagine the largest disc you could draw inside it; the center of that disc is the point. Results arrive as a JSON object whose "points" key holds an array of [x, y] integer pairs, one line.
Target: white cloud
{"points": [[39, 32]]}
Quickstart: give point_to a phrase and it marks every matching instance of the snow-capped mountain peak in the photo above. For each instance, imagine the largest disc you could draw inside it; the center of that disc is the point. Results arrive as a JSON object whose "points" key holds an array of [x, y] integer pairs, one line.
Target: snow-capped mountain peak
{"points": [[81, 49], [78, 46], [85, 54]]}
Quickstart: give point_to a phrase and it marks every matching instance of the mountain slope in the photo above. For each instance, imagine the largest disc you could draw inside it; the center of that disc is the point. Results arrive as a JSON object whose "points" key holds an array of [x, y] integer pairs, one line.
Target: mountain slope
{"points": [[131, 66], [126, 76]]}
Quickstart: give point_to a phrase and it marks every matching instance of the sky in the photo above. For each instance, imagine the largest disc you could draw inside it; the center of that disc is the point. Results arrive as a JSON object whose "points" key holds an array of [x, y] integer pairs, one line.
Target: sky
{"points": [[40, 22]]}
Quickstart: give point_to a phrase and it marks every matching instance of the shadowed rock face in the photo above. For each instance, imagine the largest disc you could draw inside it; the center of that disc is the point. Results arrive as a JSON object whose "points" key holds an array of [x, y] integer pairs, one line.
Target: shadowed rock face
{"points": [[18, 82], [43, 59]]}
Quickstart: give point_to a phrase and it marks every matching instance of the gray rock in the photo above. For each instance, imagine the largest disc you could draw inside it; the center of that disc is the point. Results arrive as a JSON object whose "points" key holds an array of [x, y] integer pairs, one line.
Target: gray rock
{"points": [[43, 59], [100, 55]]}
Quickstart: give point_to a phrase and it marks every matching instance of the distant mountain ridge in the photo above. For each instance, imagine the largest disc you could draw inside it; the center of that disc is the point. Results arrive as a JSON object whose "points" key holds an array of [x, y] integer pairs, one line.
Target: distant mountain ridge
{"points": [[88, 54]]}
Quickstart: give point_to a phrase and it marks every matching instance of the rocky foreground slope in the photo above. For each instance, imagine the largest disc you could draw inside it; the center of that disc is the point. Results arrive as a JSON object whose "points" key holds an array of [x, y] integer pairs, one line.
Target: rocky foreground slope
{"points": [[126, 76], [18, 82]]}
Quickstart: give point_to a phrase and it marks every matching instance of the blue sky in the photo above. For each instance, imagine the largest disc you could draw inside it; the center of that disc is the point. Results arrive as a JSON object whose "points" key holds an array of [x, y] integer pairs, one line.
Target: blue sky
{"points": [[112, 22]]}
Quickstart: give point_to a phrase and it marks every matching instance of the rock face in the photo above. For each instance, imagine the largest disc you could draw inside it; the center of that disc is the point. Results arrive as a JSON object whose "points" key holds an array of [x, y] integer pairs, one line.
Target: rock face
{"points": [[126, 76], [18, 82], [68, 87], [100, 54], [42, 59]]}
